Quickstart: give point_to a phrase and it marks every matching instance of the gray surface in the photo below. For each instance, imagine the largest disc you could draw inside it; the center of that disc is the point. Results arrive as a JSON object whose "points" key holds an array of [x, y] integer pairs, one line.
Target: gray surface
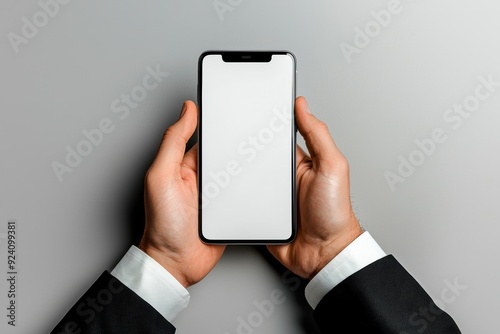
{"points": [[441, 223]]}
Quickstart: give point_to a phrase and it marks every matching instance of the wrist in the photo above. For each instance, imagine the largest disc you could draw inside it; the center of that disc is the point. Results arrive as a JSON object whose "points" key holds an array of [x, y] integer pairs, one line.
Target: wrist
{"points": [[329, 251], [169, 263]]}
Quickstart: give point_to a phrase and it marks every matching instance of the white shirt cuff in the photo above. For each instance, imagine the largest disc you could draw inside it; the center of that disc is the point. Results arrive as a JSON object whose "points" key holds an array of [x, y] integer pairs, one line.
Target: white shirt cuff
{"points": [[153, 283], [363, 251]]}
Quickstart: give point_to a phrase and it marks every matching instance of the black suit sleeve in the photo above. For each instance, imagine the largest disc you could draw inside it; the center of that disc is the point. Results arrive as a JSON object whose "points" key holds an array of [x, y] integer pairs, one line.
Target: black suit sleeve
{"points": [[110, 307], [381, 298]]}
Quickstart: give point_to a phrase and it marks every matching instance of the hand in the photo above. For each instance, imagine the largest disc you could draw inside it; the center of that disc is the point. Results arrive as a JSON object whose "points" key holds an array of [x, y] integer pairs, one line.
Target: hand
{"points": [[171, 202], [326, 221]]}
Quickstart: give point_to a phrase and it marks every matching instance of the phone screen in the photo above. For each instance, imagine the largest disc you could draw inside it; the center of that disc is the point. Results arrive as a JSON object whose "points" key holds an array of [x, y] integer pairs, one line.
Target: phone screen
{"points": [[246, 162]]}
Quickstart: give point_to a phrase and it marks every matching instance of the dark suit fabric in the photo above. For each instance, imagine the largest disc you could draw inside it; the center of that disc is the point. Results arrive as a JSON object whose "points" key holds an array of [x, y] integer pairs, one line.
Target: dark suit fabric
{"points": [[381, 298], [110, 307]]}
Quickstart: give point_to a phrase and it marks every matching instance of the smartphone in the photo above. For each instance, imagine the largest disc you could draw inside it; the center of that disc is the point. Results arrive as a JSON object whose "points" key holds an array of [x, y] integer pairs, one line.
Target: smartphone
{"points": [[246, 152]]}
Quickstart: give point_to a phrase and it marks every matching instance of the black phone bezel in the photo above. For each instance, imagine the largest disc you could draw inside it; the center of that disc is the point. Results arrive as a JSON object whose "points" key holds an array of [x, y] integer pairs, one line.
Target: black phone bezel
{"points": [[246, 56]]}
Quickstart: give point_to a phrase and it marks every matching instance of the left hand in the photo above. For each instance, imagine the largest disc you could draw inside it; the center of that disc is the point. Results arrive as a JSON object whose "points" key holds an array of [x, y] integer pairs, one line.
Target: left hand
{"points": [[171, 203]]}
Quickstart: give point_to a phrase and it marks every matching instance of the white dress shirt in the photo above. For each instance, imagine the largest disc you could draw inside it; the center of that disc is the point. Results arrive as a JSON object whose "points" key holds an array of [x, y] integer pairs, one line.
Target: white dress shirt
{"points": [[153, 283]]}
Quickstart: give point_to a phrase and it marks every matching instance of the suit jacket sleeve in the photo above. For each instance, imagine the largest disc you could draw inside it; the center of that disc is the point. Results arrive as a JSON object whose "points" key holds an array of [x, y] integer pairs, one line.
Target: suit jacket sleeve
{"points": [[381, 298], [110, 307]]}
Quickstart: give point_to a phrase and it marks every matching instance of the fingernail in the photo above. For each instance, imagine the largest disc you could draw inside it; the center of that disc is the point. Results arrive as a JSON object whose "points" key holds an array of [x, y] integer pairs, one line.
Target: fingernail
{"points": [[183, 111], [306, 107]]}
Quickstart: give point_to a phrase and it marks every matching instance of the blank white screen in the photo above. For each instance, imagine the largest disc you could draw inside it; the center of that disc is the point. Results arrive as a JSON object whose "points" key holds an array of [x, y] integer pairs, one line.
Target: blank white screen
{"points": [[247, 145]]}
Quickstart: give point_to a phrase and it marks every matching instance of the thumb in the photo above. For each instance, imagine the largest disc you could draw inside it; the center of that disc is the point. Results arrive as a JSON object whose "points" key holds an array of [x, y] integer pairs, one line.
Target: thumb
{"points": [[319, 142], [173, 145]]}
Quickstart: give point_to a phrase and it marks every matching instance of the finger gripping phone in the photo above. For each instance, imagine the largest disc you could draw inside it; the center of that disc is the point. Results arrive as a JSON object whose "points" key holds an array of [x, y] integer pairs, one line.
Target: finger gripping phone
{"points": [[246, 156]]}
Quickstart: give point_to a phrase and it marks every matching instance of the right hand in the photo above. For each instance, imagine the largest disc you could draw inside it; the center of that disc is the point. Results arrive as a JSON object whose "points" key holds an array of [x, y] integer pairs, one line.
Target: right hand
{"points": [[326, 221]]}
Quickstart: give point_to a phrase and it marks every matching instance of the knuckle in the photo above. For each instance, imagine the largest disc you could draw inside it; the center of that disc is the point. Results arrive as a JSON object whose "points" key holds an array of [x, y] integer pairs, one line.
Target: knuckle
{"points": [[342, 164], [149, 177], [322, 125], [170, 132], [174, 136]]}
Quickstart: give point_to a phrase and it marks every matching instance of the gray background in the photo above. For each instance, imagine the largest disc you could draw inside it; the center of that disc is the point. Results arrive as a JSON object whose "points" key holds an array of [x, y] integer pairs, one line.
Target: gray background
{"points": [[441, 223]]}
